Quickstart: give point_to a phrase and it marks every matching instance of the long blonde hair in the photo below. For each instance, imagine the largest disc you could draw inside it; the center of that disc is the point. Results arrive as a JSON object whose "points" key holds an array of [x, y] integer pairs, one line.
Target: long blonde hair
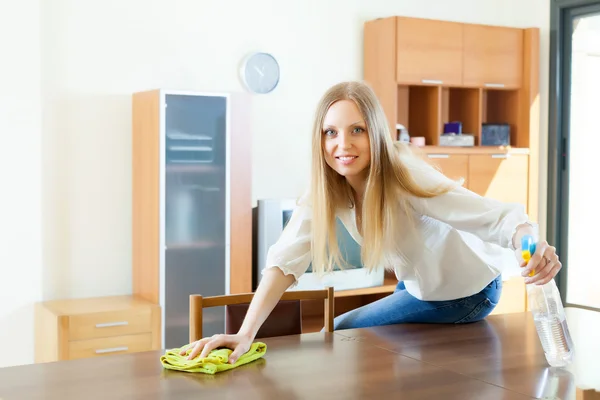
{"points": [[389, 180]]}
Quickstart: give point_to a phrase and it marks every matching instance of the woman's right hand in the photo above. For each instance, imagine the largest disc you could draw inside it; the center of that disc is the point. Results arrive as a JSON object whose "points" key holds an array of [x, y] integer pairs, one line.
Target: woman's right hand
{"points": [[240, 344]]}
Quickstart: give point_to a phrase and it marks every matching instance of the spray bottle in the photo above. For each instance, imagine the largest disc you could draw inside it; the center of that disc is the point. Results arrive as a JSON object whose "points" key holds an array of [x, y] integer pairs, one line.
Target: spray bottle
{"points": [[548, 314]]}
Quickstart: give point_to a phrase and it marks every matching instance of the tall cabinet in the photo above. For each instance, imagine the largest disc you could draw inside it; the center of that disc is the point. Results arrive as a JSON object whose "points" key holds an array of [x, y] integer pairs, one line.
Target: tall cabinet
{"points": [[192, 210]]}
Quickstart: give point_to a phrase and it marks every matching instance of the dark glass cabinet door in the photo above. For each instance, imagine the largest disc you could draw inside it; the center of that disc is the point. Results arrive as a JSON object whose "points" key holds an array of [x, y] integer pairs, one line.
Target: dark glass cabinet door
{"points": [[195, 210]]}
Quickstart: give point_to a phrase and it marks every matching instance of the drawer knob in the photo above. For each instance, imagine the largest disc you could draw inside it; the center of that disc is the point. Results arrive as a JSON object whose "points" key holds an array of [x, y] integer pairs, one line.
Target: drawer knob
{"points": [[110, 324], [439, 156], [112, 350]]}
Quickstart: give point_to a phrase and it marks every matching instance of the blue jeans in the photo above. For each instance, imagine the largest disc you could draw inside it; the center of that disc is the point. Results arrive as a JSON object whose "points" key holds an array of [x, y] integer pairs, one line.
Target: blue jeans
{"points": [[401, 307]]}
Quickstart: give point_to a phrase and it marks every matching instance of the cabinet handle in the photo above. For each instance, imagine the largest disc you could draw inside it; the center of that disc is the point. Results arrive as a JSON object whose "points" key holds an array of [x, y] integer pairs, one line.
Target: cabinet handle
{"points": [[109, 324], [112, 350], [438, 156], [500, 155], [494, 85], [432, 81]]}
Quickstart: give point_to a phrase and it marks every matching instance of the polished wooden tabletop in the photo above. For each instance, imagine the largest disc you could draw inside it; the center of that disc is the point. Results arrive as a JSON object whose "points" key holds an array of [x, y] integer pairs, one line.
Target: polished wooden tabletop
{"points": [[311, 366], [503, 350], [499, 358]]}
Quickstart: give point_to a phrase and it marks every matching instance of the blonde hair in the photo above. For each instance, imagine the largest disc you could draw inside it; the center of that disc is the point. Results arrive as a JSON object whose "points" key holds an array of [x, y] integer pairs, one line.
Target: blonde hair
{"points": [[389, 181]]}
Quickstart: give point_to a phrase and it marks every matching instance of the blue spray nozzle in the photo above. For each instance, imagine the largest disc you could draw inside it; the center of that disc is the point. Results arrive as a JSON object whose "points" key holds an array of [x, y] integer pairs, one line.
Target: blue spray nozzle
{"points": [[528, 244], [528, 250]]}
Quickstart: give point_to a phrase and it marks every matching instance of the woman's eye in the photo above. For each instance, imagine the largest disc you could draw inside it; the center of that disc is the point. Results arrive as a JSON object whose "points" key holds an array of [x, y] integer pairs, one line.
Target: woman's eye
{"points": [[358, 130], [329, 132]]}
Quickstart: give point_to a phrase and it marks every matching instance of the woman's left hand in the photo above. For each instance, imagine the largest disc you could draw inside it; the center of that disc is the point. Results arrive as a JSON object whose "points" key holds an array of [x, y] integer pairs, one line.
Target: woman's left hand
{"points": [[544, 262]]}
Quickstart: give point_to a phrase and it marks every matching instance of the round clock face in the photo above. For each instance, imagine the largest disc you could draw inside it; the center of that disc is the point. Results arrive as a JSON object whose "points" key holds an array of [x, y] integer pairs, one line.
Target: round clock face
{"points": [[260, 73]]}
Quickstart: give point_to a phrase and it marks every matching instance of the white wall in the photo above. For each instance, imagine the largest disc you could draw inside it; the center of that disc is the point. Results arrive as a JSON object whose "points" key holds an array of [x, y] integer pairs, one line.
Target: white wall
{"points": [[96, 53], [20, 178]]}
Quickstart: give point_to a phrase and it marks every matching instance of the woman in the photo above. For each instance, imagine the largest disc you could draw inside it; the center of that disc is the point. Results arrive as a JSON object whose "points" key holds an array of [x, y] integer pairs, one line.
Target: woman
{"points": [[447, 245]]}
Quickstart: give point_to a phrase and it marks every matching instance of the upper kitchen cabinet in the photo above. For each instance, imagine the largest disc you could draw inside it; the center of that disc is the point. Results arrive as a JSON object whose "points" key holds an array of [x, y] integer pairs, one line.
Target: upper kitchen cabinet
{"points": [[428, 51], [492, 56]]}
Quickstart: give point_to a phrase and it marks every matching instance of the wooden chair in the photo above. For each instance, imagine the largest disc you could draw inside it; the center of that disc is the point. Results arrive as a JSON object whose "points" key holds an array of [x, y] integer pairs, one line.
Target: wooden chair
{"points": [[285, 319], [587, 394]]}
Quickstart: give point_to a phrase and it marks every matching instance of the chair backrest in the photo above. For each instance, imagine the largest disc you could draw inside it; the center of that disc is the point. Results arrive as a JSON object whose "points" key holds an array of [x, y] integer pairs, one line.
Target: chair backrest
{"points": [[285, 319], [587, 394]]}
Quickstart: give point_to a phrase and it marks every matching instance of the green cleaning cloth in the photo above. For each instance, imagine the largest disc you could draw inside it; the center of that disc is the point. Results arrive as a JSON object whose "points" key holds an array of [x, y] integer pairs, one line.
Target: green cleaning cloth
{"points": [[216, 361]]}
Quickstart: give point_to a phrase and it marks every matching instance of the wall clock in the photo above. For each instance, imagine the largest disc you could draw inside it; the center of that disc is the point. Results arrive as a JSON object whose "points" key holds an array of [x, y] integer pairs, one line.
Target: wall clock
{"points": [[260, 72]]}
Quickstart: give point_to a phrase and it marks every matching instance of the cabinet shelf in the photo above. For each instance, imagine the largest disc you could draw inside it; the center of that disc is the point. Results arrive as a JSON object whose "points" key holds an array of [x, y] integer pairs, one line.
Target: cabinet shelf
{"points": [[206, 168], [474, 150], [424, 109], [200, 245]]}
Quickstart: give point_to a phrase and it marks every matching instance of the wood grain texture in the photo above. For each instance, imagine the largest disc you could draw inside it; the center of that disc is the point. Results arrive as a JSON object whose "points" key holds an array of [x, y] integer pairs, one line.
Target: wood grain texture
{"points": [[146, 194], [492, 55], [429, 50], [70, 328], [323, 299], [102, 347], [503, 350], [96, 305], [310, 366]]}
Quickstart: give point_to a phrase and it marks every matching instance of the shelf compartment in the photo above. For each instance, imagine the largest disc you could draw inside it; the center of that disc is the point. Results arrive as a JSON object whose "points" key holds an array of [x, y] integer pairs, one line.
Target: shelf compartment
{"points": [[463, 105], [502, 107], [419, 110]]}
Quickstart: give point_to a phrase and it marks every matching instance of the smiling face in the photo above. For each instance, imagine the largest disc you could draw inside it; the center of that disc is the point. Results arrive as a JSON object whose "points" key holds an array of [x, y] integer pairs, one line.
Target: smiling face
{"points": [[346, 142]]}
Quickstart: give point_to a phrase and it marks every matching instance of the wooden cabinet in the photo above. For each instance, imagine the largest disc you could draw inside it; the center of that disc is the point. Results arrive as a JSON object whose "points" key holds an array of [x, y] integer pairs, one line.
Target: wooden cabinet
{"points": [[454, 166], [94, 327], [493, 56], [426, 73], [500, 176], [192, 205], [428, 51], [513, 297]]}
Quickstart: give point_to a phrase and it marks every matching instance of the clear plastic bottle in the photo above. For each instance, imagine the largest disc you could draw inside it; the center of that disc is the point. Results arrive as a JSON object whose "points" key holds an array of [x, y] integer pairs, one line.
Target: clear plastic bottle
{"points": [[548, 315]]}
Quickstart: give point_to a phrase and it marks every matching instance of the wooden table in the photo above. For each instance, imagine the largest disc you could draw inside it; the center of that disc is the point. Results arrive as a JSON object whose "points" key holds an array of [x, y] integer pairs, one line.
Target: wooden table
{"points": [[503, 350], [499, 358]]}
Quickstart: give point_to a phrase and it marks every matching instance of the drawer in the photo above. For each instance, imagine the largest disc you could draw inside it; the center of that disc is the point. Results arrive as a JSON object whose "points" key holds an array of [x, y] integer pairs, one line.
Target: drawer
{"points": [[110, 346], [110, 323], [454, 166], [500, 176]]}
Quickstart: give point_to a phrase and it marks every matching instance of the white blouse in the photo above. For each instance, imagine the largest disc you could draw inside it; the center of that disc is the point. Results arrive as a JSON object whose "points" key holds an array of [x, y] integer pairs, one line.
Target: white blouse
{"points": [[464, 240]]}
